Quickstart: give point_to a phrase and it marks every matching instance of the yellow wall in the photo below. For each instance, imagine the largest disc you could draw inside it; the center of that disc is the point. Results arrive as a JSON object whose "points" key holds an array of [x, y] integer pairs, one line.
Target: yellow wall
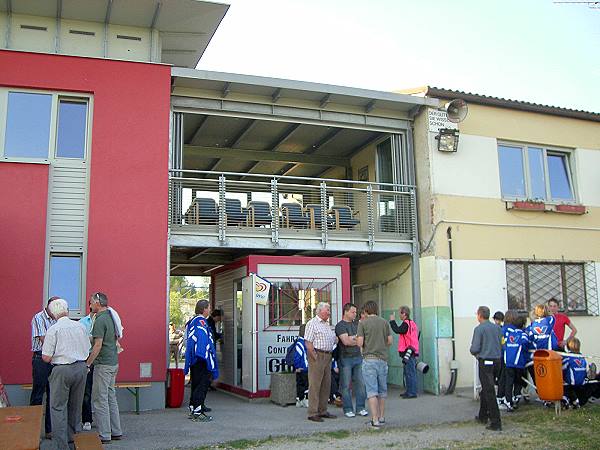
{"points": [[543, 235], [395, 293], [503, 123]]}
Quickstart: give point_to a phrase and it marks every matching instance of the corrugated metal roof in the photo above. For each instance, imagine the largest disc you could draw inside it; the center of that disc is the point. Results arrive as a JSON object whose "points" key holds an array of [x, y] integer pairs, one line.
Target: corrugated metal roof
{"points": [[435, 92]]}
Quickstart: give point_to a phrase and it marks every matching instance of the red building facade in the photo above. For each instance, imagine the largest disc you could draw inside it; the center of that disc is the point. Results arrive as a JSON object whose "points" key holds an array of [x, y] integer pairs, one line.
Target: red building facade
{"points": [[128, 197]]}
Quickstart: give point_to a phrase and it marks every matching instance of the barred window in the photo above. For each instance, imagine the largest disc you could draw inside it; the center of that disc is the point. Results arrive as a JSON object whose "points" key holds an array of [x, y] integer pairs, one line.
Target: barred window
{"points": [[293, 301], [574, 285]]}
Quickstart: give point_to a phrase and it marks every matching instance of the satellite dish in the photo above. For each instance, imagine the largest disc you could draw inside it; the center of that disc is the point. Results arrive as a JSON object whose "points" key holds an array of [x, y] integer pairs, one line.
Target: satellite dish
{"points": [[457, 110]]}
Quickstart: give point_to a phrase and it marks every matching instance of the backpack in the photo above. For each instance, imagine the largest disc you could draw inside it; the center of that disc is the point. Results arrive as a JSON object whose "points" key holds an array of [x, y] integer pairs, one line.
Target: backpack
{"points": [[289, 354]]}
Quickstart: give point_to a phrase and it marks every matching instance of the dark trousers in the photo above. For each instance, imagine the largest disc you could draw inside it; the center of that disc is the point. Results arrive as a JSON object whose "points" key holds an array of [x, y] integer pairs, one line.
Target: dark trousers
{"points": [[301, 385], [335, 383], [488, 407], [86, 407], [40, 372], [500, 378], [200, 380], [581, 393]]}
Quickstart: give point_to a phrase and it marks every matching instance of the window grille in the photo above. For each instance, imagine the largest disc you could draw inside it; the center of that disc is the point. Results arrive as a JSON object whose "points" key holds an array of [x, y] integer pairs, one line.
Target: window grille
{"points": [[293, 301], [573, 284]]}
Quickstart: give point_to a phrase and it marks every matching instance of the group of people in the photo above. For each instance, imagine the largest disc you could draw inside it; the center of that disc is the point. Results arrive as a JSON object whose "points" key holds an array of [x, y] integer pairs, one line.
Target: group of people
{"points": [[505, 348], [76, 363], [361, 349]]}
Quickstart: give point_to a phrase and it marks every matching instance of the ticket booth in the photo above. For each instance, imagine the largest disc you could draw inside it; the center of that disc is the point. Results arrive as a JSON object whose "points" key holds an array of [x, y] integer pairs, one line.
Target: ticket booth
{"points": [[264, 300]]}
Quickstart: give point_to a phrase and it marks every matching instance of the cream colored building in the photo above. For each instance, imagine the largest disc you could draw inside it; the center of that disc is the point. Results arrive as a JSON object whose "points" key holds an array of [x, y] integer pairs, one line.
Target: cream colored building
{"points": [[518, 204]]}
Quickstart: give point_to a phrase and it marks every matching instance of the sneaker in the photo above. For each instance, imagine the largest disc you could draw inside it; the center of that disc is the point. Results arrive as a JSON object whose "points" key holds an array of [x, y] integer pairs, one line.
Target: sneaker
{"points": [[576, 404], [502, 407], [375, 424], [305, 403], [548, 404], [298, 403], [382, 421], [363, 412], [201, 417], [87, 426], [507, 405], [349, 414]]}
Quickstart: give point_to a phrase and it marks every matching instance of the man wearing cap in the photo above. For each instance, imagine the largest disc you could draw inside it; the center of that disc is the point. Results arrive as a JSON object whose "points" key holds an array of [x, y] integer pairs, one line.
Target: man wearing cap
{"points": [[41, 370], [66, 347], [320, 340]]}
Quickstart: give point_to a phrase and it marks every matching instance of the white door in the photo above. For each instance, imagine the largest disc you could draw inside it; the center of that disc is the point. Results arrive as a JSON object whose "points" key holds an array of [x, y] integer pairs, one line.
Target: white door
{"points": [[248, 335]]}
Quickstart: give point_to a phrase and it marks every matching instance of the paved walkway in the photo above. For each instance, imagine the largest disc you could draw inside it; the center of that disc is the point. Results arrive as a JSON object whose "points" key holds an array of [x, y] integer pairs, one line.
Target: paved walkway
{"points": [[236, 418]]}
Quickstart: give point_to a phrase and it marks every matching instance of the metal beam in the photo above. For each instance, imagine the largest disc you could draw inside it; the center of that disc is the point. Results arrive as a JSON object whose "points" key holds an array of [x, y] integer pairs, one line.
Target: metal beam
{"points": [[325, 100], [243, 133], [265, 155], [285, 136], [276, 95], [155, 15], [226, 90], [366, 143], [199, 129], [369, 106], [326, 140], [210, 259]]}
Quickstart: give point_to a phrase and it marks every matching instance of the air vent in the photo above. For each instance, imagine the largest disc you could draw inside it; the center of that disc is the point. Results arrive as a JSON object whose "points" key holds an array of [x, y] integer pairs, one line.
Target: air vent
{"points": [[33, 27], [129, 38], [83, 33]]}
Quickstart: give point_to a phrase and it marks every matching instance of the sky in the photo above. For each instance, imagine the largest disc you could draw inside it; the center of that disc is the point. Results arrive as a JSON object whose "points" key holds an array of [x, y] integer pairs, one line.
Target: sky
{"points": [[530, 50]]}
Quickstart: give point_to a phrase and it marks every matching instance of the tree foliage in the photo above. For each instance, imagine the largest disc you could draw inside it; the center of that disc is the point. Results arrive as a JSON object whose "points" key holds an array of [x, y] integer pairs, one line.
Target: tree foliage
{"points": [[183, 296]]}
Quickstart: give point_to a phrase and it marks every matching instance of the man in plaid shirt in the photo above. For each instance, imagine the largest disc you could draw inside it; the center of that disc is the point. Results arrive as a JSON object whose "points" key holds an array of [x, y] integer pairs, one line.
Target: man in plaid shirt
{"points": [[320, 340], [41, 370]]}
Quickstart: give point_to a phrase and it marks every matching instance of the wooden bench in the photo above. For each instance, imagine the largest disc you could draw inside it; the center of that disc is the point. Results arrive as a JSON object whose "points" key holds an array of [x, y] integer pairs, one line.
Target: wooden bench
{"points": [[87, 441], [133, 388]]}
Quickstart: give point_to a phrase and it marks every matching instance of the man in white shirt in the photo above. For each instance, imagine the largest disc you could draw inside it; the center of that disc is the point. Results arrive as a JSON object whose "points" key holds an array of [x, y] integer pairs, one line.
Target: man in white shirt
{"points": [[66, 347]]}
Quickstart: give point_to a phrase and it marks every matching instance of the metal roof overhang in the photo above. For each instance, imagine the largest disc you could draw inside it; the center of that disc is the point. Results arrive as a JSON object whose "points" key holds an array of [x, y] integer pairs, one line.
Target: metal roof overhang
{"points": [[251, 124], [186, 26], [277, 88]]}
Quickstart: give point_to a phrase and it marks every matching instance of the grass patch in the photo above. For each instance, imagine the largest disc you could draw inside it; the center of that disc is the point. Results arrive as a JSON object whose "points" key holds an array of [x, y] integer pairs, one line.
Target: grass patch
{"points": [[340, 434]]}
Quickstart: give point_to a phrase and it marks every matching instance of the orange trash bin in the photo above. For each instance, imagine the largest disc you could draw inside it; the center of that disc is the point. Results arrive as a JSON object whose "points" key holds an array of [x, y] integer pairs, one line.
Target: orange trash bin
{"points": [[548, 375]]}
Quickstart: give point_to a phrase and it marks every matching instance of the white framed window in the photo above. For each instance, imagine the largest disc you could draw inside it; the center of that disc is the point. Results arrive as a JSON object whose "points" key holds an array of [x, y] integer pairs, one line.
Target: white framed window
{"points": [[65, 280], [38, 126], [532, 172]]}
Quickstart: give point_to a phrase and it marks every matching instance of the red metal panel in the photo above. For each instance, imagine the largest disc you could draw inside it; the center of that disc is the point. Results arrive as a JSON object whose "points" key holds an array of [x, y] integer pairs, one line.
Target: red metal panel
{"points": [[23, 209], [127, 242]]}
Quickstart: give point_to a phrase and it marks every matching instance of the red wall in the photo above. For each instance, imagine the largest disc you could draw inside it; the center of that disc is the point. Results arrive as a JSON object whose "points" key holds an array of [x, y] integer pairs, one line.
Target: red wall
{"points": [[127, 235], [23, 204]]}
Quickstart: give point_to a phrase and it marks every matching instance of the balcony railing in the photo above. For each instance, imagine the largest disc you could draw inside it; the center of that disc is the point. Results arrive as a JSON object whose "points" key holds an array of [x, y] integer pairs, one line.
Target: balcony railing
{"points": [[230, 205]]}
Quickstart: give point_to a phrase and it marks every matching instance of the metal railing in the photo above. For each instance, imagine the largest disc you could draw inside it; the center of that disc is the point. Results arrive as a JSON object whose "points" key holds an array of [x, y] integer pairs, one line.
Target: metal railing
{"points": [[226, 203]]}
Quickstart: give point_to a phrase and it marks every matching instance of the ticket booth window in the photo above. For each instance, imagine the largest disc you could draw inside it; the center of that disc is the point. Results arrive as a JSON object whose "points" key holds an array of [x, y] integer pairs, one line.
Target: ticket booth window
{"points": [[293, 301]]}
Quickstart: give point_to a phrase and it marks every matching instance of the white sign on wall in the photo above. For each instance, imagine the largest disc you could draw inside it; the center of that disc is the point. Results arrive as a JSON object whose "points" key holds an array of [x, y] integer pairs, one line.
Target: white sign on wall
{"points": [[261, 290], [438, 119]]}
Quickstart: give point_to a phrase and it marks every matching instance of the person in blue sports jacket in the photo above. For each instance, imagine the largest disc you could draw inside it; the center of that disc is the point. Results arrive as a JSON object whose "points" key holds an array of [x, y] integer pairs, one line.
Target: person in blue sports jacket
{"points": [[301, 369], [200, 360], [541, 334], [515, 344], [575, 374]]}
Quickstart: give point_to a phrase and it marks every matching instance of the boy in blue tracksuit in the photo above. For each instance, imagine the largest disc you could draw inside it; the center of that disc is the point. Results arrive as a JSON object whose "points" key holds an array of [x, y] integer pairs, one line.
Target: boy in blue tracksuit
{"points": [[301, 369], [575, 374], [541, 334], [514, 353]]}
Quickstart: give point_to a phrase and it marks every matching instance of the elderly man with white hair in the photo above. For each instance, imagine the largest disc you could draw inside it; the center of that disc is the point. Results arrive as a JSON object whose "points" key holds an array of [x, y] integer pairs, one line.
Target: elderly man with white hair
{"points": [[66, 347], [320, 340]]}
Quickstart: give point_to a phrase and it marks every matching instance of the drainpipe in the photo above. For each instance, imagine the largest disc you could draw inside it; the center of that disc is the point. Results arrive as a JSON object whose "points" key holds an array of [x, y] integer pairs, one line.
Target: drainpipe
{"points": [[453, 363]]}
